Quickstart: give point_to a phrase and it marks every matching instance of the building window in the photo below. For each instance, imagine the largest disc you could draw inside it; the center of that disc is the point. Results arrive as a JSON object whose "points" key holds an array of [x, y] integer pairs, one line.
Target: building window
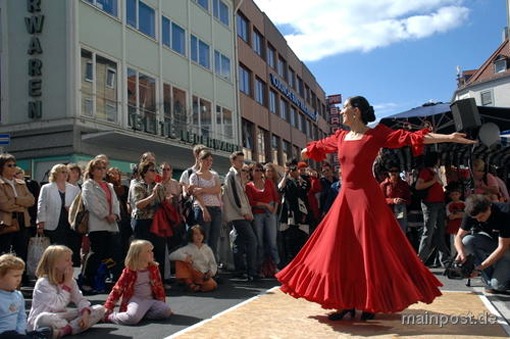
{"points": [[284, 109], [286, 156], [500, 64], [271, 56], [111, 77], [292, 78], [200, 52], [282, 68], [220, 12], [224, 129], [244, 80], [258, 43], [293, 118], [486, 98], [108, 6], [262, 137], [141, 92], [222, 65], [275, 147], [242, 28], [247, 138], [173, 36], [302, 123], [99, 87], [141, 16], [203, 3], [300, 87], [202, 119], [181, 118], [260, 91], [273, 102]]}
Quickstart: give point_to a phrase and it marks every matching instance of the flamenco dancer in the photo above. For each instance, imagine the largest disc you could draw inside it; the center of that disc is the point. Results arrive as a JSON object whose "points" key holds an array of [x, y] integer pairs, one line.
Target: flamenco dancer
{"points": [[358, 258]]}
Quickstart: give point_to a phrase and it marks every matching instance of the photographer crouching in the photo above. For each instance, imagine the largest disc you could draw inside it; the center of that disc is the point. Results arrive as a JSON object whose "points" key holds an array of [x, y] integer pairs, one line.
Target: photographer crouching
{"points": [[485, 233]]}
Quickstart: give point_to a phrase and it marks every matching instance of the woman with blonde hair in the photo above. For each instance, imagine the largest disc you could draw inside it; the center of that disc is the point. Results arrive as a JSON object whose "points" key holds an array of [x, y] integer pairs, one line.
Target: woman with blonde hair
{"points": [[54, 290], [140, 287], [52, 210]]}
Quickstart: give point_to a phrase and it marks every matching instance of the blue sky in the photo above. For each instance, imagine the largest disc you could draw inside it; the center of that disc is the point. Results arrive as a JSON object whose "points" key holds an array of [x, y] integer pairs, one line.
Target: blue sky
{"points": [[399, 54]]}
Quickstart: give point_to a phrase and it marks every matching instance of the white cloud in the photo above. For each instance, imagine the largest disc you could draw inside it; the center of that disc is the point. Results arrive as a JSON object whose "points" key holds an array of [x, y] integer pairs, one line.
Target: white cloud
{"points": [[321, 28]]}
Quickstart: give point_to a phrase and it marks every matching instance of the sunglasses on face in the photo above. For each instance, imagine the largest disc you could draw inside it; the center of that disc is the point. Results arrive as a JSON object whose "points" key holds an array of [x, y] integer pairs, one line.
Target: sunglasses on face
{"points": [[10, 165]]}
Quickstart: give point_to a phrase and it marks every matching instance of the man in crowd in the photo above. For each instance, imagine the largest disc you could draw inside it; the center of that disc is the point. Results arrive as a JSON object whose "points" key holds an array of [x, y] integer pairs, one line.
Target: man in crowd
{"points": [[485, 233]]}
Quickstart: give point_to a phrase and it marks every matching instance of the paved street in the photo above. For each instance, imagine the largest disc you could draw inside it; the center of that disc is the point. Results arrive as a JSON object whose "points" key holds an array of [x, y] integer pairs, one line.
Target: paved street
{"points": [[192, 308]]}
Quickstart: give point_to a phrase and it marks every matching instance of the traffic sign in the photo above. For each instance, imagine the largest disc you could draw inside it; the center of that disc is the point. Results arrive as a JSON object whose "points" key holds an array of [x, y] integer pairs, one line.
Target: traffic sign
{"points": [[5, 139]]}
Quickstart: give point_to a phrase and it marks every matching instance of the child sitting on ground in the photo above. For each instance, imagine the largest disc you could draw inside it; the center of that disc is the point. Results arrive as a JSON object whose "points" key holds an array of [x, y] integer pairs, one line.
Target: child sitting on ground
{"points": [[54, 290], [195, 264], [13, 318], [140, 287]]}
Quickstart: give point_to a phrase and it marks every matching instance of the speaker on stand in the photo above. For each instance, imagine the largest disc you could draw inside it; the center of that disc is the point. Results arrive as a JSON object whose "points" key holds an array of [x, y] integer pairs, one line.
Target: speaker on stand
{"points": [[467, 119]]}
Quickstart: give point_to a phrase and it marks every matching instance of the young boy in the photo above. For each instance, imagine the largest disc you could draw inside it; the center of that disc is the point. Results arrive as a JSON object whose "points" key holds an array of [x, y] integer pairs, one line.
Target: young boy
{"points": [[13, 318], [454, 213]]}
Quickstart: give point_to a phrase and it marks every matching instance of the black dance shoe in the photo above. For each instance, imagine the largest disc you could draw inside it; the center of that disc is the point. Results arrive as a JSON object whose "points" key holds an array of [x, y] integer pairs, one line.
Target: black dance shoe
{"points": [[367, 316], [341, 314]]}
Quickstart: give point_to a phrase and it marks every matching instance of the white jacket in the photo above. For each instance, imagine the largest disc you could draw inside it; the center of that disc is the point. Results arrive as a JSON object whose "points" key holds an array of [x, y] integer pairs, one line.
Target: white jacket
{"points": [[94, 199], [49, 203]]}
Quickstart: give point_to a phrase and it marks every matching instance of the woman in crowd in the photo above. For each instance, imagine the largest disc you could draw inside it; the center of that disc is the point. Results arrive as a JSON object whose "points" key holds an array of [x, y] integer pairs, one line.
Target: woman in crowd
{"points": [[101, 201], [206, 188], [15, 199], [147, 195], [351, 260], [52, 210], [264, 200], [74, 176]]}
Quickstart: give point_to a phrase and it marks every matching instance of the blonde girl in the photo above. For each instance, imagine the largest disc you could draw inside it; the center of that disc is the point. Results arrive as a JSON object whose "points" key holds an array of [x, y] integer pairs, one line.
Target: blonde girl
{"points": [[140, 287], [54, 290]]}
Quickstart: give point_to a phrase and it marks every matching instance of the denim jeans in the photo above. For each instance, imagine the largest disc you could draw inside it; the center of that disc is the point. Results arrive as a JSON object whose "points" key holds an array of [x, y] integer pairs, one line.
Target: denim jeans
{"points": [[211, 228], [481, 246], [245, 244], [265, 229], [433, 236]]}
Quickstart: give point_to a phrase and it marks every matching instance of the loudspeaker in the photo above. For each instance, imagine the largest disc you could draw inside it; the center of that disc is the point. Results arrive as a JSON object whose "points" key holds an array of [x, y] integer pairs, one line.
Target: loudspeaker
{"points": [[465, 114]]}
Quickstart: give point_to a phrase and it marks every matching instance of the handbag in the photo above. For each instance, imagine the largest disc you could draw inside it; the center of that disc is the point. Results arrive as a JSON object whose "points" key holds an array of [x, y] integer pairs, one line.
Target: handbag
{"points": [[36, 247], [6, 229], [78, 216]]}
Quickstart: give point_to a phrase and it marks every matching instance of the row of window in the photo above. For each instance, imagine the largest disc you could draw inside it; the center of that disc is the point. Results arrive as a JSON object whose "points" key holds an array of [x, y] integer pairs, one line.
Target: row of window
{"points": [[277, 62], [276, 104], [99, 92], [135, 7], [270, 147], [142, 17]]}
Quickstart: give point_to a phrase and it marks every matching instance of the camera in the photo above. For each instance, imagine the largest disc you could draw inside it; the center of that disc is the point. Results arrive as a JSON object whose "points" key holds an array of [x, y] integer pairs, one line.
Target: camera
{"points": [[459, 271]]}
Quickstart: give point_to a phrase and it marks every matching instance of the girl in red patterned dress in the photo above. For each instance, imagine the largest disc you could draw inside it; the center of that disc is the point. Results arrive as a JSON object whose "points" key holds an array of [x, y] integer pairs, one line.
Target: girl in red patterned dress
{"points": [[140, 287], [357, 258]]}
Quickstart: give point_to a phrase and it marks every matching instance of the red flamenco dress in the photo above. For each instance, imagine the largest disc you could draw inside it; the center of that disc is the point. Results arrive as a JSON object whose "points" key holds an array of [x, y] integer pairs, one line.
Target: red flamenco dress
{"points": [[358, 257]]}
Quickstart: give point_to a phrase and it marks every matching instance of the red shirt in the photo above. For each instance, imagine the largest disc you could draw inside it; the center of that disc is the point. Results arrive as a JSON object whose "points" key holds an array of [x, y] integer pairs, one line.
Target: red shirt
{"points": [[435, 192], [267, 195]]}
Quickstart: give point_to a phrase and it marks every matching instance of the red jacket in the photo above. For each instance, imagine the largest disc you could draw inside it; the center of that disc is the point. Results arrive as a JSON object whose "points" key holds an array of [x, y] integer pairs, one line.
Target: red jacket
{"points": [[125, 288]]}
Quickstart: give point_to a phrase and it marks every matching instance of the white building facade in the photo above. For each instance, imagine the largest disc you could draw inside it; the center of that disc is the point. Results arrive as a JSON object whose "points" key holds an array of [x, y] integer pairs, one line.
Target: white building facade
{"points": [[119, 77]]}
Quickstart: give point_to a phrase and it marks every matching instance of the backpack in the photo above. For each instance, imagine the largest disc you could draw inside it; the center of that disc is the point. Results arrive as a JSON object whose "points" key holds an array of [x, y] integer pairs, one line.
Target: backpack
{"points": [[78, 215]]}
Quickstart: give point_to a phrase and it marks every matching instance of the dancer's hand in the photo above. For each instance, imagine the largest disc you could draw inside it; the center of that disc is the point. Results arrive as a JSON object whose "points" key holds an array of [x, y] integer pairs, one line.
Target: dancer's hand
{"points": [[460, 138], [304, 154]]}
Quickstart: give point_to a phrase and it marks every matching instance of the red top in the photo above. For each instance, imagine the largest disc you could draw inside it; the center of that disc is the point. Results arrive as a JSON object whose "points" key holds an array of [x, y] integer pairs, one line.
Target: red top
{"points": [[125, 288], [435, 192], [267, 195]]}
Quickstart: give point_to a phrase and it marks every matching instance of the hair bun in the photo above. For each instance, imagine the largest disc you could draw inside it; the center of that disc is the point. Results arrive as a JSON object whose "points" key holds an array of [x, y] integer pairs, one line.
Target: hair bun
{"points": [[370, 114]]}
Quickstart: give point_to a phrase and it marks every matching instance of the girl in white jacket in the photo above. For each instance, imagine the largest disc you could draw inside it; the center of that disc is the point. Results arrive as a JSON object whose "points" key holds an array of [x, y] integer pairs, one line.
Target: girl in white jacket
{"points": [[54, 290]]}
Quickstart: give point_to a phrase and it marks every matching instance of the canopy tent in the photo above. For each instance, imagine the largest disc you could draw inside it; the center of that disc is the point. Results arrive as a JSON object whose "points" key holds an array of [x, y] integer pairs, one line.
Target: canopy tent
{"points": [[439, 118]]}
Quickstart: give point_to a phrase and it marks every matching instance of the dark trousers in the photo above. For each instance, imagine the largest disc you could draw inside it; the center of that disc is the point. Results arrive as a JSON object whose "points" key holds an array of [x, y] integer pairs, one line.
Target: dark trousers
{"points": [[102, 244], [245, 245], [142, 231]]}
